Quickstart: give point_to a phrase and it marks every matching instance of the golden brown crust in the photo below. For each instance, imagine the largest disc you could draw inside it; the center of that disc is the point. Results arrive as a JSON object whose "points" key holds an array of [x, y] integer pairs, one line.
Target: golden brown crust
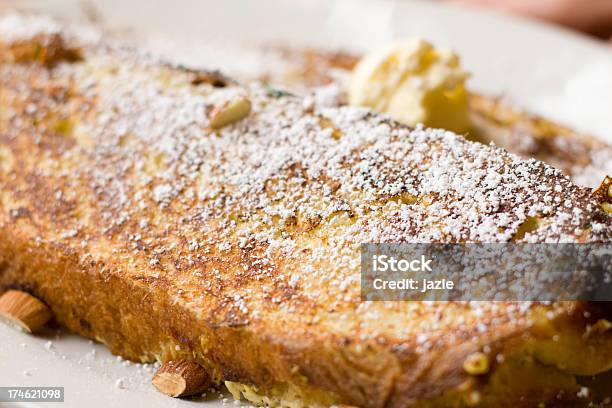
{"points": [[143, 228], [583, 157], [136, 322]]}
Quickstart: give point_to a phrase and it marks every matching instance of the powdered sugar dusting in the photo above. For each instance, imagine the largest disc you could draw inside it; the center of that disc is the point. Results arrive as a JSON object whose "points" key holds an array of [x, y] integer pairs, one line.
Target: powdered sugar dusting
{"points": [[268, 213]]}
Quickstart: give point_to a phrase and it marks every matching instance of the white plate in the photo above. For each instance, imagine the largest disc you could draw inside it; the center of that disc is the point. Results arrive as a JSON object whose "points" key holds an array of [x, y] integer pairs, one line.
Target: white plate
{"points": [[563, 75], [90, 375]]}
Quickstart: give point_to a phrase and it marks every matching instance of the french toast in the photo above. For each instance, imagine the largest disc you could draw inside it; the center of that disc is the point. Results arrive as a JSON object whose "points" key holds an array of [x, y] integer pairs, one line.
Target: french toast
{"points": [[586, 159], [174, 214]]}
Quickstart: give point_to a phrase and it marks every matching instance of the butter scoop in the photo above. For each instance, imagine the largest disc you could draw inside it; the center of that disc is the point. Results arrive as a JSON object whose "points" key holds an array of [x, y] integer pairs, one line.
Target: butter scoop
{"points": [[414, 83]]}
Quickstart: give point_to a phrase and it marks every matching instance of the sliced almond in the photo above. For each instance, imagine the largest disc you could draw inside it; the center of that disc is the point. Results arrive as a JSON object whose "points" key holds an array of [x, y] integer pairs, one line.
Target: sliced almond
{"points": [[230, 112], [181, 378], [23, 310]]}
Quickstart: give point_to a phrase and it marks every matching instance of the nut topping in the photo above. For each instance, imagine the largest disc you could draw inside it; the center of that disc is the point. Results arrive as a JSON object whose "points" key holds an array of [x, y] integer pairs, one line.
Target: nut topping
{"points": [[181, 378], [230, 112], [23, 310]]}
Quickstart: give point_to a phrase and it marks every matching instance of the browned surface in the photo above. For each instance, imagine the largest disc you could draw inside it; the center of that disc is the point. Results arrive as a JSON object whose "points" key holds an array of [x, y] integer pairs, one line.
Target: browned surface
{"points": [[68, 237], [530, 135], [581, 156]]}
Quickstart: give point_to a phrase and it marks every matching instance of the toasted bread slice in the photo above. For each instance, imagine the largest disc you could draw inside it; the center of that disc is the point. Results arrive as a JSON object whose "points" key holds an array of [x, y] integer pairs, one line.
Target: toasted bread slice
{"points": [[146, 228], [584, 158]]}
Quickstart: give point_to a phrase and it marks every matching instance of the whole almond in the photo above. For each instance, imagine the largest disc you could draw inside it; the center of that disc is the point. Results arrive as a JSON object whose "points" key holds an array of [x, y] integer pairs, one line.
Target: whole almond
{"points": [[23, 310], [181, 378]]}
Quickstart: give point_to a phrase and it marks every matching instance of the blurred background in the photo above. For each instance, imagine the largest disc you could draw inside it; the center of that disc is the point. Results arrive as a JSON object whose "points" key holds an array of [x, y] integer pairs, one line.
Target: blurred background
{"points": [[552, 57], [592, 17]]}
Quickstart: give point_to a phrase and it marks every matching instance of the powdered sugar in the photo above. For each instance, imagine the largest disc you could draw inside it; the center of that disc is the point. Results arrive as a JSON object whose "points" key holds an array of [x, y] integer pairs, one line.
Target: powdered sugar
{"points": [[276, 205]]}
